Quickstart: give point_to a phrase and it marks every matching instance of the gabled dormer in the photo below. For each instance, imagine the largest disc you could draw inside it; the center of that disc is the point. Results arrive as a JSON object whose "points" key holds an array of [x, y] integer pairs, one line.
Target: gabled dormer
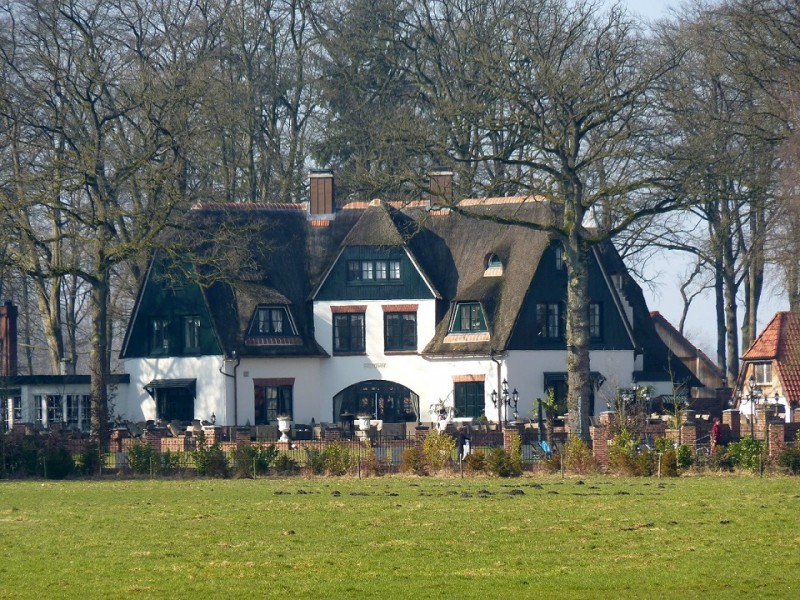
{"points": [[171, 317], [272, 325], [374, 262]]}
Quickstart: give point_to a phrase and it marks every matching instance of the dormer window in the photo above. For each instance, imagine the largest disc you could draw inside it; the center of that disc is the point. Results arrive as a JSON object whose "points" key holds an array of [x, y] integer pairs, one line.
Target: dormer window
{"points": [[468, 318], [494, 266], [271, 320], [559, 257], [762, 373]]}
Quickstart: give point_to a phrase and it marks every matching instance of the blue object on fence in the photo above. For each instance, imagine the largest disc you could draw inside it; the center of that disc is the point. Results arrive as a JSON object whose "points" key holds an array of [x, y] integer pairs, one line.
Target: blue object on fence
{"points": [[546, 448]]}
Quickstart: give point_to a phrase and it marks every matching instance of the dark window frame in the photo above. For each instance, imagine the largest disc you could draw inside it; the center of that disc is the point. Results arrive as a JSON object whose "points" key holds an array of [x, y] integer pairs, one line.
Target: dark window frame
{"points": [[272, 400], [595, 321], [550, 320], [159, 335], [468, 318], [469, 398], [349, 333], [370, 271], [400, 331], [191, 333]]}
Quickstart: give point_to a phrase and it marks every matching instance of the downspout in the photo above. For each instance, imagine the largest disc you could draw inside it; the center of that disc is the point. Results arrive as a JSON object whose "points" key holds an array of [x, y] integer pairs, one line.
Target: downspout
{"points": [[499, 397], [235, 391]]}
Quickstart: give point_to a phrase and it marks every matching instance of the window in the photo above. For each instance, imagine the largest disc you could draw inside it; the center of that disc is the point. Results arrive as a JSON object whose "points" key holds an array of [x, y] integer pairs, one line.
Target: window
{"points": [[348, 332], [762, 373], [271, 320], [595, 321], [559, 255], [13, 411], [469, 317], [470, 399], [548, 320], [271, 401], [367, 270], [400, 331], [73, 410], [159, 335], [191, 334], [86, 412], [373, 270], [49, 410]]}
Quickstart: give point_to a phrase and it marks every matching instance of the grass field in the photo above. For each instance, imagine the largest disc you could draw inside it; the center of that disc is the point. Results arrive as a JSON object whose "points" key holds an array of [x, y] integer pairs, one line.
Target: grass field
{"points": [[396, 537]]}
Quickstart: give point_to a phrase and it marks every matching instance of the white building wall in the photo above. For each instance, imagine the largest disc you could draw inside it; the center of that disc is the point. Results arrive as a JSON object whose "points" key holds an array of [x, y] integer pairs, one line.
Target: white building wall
{"points": [[213, 390]]}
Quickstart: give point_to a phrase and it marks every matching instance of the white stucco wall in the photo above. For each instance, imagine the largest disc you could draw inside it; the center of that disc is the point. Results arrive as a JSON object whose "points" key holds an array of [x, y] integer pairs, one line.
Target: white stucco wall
{"points": [[213, 390]]}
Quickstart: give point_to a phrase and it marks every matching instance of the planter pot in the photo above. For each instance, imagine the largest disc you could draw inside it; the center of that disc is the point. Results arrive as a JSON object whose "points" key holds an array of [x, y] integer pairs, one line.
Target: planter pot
{"points": [[284, 426]]}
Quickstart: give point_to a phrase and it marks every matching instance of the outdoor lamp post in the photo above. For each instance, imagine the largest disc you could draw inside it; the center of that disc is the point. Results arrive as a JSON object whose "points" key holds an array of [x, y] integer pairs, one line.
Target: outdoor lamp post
{"points": [[753, 393], [506, 400]]}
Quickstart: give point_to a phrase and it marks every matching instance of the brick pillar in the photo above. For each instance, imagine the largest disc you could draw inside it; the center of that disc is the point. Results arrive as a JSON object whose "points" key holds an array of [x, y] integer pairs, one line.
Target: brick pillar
{"points": [[762, 416], [601, 435], [508, 439], [689, 430], [210, 432], [732, 422], [776, 434]]}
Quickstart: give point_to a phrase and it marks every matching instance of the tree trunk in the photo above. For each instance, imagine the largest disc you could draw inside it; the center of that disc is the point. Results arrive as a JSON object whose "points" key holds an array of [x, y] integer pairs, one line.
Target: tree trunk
{"points": [[577, 327], [98, 358]]}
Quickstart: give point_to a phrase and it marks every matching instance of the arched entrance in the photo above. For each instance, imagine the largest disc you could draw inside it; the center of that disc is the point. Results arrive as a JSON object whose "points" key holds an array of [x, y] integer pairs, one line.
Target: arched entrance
{"points": [[385, 400]]}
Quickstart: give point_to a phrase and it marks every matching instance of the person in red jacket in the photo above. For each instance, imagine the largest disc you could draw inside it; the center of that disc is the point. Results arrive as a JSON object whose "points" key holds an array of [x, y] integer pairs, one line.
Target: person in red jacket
{"points": [[715, 431]]}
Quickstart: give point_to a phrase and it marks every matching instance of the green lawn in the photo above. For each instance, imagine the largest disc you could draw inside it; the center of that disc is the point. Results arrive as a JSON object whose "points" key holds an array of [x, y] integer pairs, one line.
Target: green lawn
{"points": [[394, 537]]}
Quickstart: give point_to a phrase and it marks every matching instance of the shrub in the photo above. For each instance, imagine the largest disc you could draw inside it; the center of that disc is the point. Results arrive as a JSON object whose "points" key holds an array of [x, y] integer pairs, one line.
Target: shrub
{"points": [[285, 464], [413, 461], [209, 460], [90, 459], [314, 461], [683, 457], [170, 462], [438, 449], [622, 456], [57, 462], [500, 463], [370, 465], [337, 459], [578, 457], [476, 461], [747, 453], [142, 458], [250, 461], [790, 459], [722, 460]]}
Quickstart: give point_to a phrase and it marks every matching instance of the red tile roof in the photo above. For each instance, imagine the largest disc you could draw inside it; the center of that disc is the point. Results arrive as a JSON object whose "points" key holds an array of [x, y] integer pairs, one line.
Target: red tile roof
{"points": [[780, 343]]}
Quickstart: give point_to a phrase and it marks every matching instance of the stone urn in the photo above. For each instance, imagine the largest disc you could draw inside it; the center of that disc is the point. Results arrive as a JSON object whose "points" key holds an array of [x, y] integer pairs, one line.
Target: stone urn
{"points": [[284, 426]]}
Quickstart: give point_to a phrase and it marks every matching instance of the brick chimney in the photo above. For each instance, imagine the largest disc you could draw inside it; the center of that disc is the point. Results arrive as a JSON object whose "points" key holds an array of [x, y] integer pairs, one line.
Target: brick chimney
{"points": [[441, 187], [8, 339], [321, 190]]}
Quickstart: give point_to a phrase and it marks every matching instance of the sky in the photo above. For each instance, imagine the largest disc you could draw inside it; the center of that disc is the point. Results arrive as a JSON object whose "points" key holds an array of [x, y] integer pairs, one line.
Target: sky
{"points": [[669, 271]]}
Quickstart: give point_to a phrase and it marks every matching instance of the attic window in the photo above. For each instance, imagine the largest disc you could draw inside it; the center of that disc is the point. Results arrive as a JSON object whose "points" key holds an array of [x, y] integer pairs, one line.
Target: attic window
{"points": [[559, 257], [494, 266], [370, 271], [271, 321], [762, 373], [468, 317]]}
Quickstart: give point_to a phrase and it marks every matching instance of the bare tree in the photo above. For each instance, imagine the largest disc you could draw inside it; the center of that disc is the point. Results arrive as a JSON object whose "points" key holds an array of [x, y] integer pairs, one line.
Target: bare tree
{"points": [[571, 84], [104, 114]]}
